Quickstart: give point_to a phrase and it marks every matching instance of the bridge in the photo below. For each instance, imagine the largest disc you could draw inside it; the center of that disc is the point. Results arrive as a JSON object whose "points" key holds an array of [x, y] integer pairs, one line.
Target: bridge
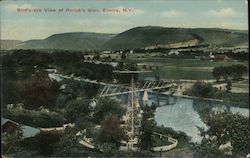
{"points": [[110, 90]]}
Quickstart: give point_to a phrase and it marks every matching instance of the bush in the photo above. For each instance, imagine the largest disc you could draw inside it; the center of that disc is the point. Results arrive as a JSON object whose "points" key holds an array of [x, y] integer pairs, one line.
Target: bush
{"points": [[201, 89], [35, 118], [105, 107]]}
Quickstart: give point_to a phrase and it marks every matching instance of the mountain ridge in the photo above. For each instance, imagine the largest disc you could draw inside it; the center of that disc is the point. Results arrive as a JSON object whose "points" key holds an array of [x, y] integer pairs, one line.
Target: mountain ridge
{"points": [[140, 37]]}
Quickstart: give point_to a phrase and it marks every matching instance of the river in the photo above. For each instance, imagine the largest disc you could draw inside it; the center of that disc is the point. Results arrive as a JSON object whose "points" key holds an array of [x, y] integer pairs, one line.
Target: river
{"points": [[182, 114]]}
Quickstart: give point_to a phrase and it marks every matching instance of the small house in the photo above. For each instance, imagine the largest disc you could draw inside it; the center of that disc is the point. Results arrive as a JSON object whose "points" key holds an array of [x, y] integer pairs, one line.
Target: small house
{"points": [[8, 125]]}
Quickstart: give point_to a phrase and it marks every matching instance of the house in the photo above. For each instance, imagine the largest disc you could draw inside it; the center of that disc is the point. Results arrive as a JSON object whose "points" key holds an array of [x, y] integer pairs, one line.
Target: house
{"points": [[8, 125], [212, 57], [220, 57], [106, 52], [174, 52]]}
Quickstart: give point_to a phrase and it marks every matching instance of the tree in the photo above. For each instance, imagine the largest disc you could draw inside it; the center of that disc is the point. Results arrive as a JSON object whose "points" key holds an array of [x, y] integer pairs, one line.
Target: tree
{"points": [[238, 71], [43, 143], [96, 57], [11, 139], [146, 139], [217, 73], [91, 90], [207, 150], [109, 149], [235, 71], [106, 106], [148, 124], [69, 145], [111, 132], [226, 72], [202, 89], [123, 56], [120, 65], [38, 90], [227, 126], [229, 86], [76, 108]]}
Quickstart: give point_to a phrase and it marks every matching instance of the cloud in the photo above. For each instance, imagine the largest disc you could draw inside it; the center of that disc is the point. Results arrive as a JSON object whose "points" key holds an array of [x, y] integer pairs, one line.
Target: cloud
{"points": [[222, 13], [172, 14], [13, 7]]}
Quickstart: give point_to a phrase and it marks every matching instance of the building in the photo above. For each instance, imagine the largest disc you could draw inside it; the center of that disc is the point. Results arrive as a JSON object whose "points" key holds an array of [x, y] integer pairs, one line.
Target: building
{"points": [[8, 125], [211, 57], [174, 52]]}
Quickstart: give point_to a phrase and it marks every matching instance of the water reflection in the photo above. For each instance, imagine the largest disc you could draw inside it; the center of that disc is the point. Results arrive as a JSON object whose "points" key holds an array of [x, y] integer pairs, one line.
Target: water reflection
{"points": [[183, 114]]}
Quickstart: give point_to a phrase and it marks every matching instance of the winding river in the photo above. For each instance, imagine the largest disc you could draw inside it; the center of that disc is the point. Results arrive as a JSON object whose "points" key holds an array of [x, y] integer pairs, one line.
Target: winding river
{"points": [[182, 114]]}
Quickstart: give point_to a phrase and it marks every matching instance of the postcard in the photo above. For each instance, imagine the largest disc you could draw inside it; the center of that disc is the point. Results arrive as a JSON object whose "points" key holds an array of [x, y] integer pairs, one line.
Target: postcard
{"points": [[123, 78]]}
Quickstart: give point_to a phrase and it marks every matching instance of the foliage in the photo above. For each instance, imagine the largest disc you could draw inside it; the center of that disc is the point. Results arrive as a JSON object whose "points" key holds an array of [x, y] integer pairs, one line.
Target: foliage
{"points": [[76, 108], [38, 90], [227, 126], [35, 118], [123, 56], [148, 125], [105, 107], [120, 65], [201, 89], [83, 122], [111, 132], [108, 149], [234, 99], [206, 150], [91, 90], [229, 86], [217, 73], [146, 139], [235, 71], [134, 154], [11, 139], [8, 86], [42, 144], [24, 153], [69, 146]]}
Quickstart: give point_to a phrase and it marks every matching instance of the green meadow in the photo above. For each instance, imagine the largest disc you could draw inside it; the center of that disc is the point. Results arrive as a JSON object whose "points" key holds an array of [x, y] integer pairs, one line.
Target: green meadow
{"points": [[178, 68]]}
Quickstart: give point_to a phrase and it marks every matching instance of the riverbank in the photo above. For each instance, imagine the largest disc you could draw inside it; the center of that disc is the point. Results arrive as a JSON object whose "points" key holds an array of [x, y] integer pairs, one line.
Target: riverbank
{"points": [[236, 98], [193, 97]]}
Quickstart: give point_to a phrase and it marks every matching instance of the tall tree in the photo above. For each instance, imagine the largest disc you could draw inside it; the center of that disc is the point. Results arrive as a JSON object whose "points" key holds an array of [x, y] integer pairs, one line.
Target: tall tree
{"points": [[76, 108], [38, 90], [111, 131], [217, 73], [229, 86], [227, 126], [106, 106]]}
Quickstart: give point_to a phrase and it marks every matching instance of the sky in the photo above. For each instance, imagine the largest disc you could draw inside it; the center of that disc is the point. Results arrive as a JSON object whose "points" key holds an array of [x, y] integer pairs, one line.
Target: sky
{"points": [[28, 19]]}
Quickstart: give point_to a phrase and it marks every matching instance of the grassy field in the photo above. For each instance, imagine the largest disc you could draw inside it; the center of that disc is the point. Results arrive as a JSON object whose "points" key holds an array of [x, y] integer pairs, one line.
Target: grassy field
{"points": [[180, 73], [173, 68]]}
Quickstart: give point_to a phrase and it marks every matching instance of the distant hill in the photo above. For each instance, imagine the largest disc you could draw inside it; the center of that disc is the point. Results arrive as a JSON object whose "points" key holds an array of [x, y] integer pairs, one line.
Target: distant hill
{"points": [[9, 44], [141, 37], [150, 36], [69, 41]]}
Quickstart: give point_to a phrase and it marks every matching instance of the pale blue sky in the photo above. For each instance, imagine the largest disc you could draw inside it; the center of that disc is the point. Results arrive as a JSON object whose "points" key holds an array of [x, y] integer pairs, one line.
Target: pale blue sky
{"points": [[230, 14]]}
